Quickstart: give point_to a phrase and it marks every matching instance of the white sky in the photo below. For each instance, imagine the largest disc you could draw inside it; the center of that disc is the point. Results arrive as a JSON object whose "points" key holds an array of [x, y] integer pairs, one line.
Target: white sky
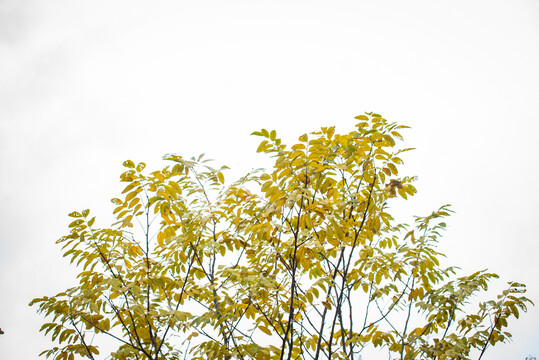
{"points": [[85, 85]]}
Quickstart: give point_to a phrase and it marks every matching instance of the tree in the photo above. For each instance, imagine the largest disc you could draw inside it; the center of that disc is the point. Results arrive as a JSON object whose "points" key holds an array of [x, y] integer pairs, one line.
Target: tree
{"points": [[301, 262]]}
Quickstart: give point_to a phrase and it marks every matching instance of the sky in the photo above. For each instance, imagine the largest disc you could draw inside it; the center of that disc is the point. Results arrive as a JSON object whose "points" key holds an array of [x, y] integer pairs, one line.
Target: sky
{"points": [[85, 85]]}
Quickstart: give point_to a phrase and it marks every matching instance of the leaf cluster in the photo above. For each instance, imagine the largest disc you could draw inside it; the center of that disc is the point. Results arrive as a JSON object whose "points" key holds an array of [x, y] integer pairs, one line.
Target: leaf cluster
{"points": [[303, 261]]}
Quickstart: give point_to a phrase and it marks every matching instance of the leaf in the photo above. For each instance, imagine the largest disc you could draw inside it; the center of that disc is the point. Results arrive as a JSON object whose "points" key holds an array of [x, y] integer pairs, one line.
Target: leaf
{"points": [[221, 177], [330, 132], [141, 166], [327, 305], [266, 186], [128, 164], [393, 168], [131, 195], [365, 287], [389, 139], [174, 185], [264, 329], [76, 223], [262, 147]]}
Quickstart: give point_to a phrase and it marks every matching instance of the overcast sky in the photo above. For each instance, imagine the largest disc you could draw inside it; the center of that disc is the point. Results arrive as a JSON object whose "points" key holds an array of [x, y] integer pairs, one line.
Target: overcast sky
{"points": [[85, 85]]}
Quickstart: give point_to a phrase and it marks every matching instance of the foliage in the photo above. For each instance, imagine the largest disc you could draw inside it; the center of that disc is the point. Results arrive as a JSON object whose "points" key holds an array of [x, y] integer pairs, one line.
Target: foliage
{"points": [[302, 262]]}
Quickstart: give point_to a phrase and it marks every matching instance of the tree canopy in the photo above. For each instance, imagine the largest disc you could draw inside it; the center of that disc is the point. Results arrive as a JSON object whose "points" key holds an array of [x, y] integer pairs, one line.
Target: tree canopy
{"points": [[301, 261]]}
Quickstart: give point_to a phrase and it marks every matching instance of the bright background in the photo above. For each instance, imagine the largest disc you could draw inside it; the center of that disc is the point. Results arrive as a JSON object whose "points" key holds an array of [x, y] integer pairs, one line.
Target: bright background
{"points": [[85, 85]]}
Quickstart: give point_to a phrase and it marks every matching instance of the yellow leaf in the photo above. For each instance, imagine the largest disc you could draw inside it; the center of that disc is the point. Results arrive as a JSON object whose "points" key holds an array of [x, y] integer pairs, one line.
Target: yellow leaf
{"points": [[390, 140], [326, 304], [308, 222], [133, 202], [175, 186], [131, 195], [129, 187], [141, 166], [221, 177], [264, 329], [266, 185], [76, 223], [262, 146], [393, 168]]}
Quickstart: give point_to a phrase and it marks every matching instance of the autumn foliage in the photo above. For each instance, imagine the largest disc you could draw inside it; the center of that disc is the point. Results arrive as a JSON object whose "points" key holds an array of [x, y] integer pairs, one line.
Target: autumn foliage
{"points": [[302, 261]]}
